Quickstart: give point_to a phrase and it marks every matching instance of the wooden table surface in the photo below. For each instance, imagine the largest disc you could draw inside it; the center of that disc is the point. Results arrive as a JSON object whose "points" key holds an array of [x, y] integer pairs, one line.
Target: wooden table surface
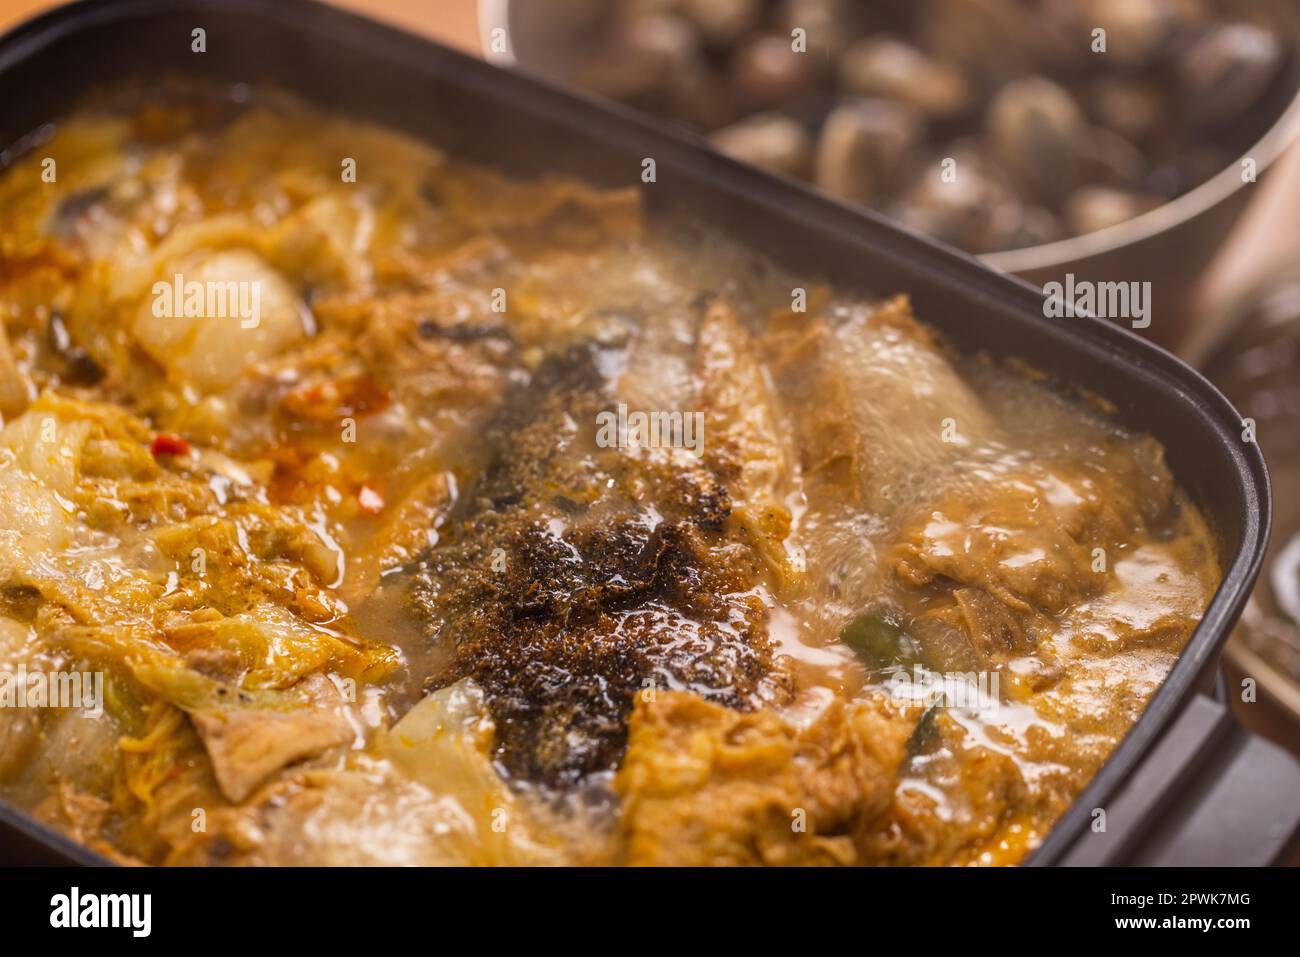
{"points": [[454, 22]]}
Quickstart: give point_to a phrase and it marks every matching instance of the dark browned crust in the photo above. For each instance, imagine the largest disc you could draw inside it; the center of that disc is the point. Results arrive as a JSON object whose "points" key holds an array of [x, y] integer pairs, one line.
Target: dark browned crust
{"points": [[618, 578]]}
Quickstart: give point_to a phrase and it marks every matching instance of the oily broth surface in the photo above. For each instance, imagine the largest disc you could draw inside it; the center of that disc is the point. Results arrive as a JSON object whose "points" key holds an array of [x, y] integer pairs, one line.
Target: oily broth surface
{"points": [[317, 539]]}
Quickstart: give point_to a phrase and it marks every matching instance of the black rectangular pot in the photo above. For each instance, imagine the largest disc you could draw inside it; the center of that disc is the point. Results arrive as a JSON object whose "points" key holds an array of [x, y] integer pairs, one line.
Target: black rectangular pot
{"points": [[1186, 784]]}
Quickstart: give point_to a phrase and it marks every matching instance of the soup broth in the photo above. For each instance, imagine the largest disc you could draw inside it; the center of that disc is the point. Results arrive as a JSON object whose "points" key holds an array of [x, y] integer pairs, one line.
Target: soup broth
{"points": [[407, 513]]}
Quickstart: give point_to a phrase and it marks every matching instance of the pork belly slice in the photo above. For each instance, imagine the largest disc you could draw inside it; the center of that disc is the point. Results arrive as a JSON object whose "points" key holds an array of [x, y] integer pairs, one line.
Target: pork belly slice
{"points": [[248, 746], [706, 785]]}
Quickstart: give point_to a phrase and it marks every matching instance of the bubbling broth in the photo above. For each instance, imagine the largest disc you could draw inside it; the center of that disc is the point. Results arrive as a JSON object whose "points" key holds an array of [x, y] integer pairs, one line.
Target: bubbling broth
{"points": [[392, 498]]}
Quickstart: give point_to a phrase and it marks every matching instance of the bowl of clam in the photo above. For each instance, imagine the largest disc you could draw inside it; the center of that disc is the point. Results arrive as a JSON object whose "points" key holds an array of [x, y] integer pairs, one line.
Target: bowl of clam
{"points": [[1065, 141]]}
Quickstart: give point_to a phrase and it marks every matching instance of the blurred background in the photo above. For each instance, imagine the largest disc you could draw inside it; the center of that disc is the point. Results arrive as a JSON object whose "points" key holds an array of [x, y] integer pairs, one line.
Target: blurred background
{"points": [[1114, 140]]}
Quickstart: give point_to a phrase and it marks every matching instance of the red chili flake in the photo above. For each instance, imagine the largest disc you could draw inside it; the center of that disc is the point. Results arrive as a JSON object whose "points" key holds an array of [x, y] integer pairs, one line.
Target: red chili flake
{"points": [[371, 502], [165, 444], [336, 398]]}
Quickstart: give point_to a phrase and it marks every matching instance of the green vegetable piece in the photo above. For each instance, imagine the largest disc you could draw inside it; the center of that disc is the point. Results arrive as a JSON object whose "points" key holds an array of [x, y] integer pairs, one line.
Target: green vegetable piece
{"points": [[880, 642], [926, 733]]}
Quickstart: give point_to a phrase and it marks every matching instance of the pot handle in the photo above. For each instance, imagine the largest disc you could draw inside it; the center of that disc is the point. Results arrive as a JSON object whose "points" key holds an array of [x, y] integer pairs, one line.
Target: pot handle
{"points": [[1209, 793]]}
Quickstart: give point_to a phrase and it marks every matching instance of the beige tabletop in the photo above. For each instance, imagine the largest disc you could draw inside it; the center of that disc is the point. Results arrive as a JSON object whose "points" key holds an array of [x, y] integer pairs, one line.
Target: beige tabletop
{"points": [[454, 22]]}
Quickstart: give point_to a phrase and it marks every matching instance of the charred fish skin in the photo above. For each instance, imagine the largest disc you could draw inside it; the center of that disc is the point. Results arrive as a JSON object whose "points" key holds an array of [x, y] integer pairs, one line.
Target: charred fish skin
{"points": [[578, 576]]}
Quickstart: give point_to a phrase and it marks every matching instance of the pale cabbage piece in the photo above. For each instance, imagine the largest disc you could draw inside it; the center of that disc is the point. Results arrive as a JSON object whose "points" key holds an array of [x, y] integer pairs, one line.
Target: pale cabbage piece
{"points": [[19, 727], [269, 645], [443, 743], [133, 267], [38, 469], [36, 741], [406, 529], [324, 241], [45, 445], [15, 388], [208, 352], [76, 747]]}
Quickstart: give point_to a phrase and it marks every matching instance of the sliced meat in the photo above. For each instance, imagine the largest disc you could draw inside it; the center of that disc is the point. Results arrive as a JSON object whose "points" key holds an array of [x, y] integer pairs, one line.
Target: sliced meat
{"points": [[982, 818], [1027, 538], [248, 746], [992, 627], [1003, 552], [704, 784]]}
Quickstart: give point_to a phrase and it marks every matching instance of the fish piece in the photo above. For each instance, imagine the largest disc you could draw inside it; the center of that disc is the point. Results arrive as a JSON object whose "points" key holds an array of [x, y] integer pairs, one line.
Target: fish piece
{"points": [[743, 443], [880, 412], [576, 575], [880, 420]]}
